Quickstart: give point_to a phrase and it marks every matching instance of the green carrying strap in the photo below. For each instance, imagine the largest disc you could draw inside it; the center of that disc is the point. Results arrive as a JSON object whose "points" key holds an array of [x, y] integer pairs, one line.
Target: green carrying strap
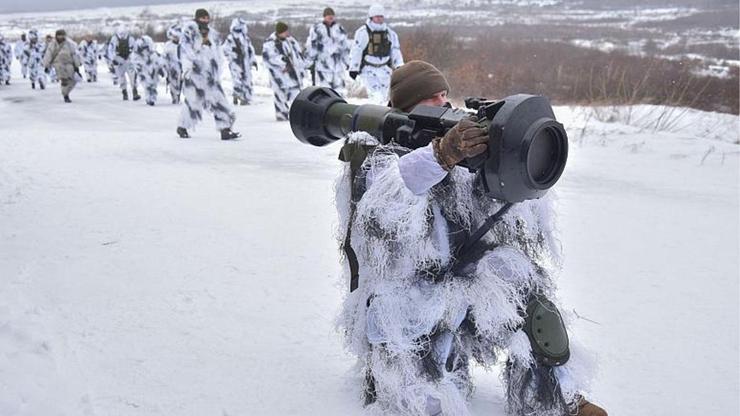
{"points": [[355, 154]]}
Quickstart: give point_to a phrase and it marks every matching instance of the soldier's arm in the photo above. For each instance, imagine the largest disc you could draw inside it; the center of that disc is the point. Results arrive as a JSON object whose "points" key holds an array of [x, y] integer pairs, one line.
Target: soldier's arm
{"points": [[396, 55], [359, 45]]}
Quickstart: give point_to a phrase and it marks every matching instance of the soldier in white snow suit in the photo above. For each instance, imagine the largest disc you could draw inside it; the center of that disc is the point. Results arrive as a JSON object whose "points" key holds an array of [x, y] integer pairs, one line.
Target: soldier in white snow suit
{"points": [[282, 56], [107, 54], [173, 66], [61, 54], [6, 58], [375, 53], [241, 56], [20, 54], [120, 48], [419, 309], [88, 50], [51, 72], [149, 66], [35, 52], [201, 73], [327, 52]]}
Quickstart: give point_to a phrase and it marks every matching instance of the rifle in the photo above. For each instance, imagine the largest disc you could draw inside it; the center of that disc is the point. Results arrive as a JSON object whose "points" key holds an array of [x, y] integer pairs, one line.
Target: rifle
{"points": [[288, 63], [239, 54]]}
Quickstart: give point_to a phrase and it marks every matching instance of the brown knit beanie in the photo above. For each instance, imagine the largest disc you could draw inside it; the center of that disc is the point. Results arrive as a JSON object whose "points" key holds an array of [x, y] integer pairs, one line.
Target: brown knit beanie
{"points": [[281, 27], [201, 13], [328, 12], [415, 81]]}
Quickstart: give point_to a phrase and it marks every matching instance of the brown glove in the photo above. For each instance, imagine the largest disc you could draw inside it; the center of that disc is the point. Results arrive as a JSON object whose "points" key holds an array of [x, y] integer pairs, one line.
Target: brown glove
{"points": [[586, 408], [467, 139]]}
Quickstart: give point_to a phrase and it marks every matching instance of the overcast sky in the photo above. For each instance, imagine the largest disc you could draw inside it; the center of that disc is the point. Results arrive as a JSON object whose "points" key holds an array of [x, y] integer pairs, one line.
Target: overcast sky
{"points": [[7, 6]]}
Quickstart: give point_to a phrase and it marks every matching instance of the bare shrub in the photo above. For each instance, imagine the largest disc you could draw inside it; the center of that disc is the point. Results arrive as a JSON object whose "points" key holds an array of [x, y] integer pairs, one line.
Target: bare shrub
{"points": [[497, 67]]}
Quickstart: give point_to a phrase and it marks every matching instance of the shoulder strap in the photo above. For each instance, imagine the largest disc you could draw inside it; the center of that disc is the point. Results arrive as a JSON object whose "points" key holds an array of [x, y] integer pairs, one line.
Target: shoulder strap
{"points": [[355, 154]]}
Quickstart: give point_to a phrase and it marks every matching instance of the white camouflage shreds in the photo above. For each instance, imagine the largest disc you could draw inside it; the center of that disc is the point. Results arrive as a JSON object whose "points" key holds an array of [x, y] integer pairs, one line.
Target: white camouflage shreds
{"points": [[408, 331]]}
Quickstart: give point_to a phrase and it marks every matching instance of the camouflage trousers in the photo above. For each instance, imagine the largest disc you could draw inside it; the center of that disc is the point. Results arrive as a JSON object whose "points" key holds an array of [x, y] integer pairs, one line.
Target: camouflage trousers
{"points": [[283, 99], [242, 81], [205, 97]]}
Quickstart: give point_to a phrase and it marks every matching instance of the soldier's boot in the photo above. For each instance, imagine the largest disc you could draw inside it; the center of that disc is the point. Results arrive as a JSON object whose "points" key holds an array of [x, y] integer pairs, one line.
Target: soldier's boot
{"points": [[42, 86], [236, 100], [125, 95], [585, 408], [66, 99], [227, 134], [183, 133], [135, 93], [33, 85]]}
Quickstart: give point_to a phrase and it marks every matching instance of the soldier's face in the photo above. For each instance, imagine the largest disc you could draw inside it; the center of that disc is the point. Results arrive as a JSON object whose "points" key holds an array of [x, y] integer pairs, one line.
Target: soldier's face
{"points": [[204, 19], [329, 19], [437, 100], [60, 39], [378, 19], [284, 35]]}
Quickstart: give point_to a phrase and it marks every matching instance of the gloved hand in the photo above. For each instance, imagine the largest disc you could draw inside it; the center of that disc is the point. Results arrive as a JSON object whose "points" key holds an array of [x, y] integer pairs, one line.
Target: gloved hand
{"points": [[254, 64], [353, 74], [47, 70], [186, 74], [467, 139]]}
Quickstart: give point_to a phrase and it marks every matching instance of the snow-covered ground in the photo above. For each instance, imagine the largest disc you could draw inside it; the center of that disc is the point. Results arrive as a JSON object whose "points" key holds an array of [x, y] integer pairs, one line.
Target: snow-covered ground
{"points": [[142, 274]]}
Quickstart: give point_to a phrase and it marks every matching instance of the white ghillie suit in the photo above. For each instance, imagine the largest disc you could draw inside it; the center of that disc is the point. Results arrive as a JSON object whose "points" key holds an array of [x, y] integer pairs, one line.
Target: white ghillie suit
{"points": [[22, 57], [413, 322], [6, 58], [241, 56], [35, 51], [376, 59], [149, 66], [89, 51], [120, 48], [201, 72], [285, 64], [173, 66], [327, 50]]}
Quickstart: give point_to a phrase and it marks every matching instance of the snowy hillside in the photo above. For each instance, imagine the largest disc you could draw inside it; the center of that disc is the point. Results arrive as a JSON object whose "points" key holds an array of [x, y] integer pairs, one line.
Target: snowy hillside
{"points": [[142, 274], [697, 31]]}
